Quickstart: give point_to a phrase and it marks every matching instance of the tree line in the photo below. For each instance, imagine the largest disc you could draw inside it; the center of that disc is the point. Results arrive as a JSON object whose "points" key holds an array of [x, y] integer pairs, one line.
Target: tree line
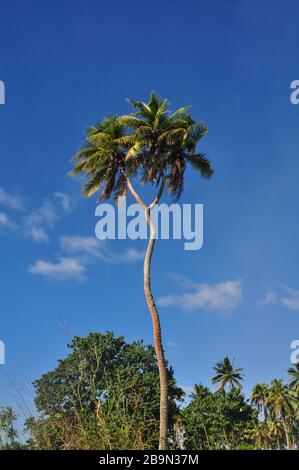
{"points": [[105, 394]]}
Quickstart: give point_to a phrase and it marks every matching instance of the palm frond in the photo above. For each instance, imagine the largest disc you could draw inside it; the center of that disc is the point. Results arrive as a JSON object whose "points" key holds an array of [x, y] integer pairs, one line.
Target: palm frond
{"points": [[201, 163]]}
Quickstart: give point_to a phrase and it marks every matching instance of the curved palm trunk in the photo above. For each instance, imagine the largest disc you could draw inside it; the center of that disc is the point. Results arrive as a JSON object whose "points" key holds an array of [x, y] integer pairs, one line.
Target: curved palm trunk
{"points": [[163, 443]]}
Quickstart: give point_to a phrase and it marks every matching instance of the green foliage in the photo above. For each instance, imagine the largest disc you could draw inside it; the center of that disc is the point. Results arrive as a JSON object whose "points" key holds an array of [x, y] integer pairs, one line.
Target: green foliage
{"points": [[218, 420], [108, 389], [8, 433], [105, 395]]}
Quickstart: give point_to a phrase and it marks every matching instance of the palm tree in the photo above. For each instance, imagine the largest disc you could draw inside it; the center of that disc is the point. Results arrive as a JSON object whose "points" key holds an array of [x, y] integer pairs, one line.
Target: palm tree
{"points": [[226, 374], [259, 397], [276, 432], [153, 146], [279, 402], [294, 379], [261, 436], [7, 419]]}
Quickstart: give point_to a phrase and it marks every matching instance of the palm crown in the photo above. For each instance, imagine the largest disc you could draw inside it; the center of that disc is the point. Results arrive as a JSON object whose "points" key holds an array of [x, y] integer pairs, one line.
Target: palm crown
{"points": [[294, 378], [150, 143], [227, 374]]}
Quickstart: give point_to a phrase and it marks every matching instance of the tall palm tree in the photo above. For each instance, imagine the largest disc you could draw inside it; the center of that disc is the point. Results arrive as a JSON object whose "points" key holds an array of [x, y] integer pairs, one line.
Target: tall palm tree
{"points": [[259, 397], [294, 379], [227, 375], [280, 404], [153, 146]]}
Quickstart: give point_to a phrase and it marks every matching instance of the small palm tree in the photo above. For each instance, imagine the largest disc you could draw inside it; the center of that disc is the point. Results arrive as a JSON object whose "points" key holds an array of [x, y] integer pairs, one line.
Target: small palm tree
{"points": [[227, 375], [294, 379], [8, 433], [280, 403], [153, 146], [258, 398]]}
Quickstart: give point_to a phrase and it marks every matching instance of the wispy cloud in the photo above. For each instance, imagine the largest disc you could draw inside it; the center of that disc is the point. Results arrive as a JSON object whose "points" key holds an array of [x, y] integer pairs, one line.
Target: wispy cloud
{"points": [[291, 298], [91, 247], [11, 201], [39, 220], [269, 298], [65, 201], [35, 223], [64, 269], [173, 344], [286, 296], [223, 296], [78, 253], [5, 222], [3, 219], [88, 246]]}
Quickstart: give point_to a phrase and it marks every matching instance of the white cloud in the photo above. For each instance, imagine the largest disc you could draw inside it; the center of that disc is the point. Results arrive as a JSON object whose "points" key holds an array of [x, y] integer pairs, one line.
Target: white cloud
{"points": [[78, 253], [94, 248], [285, 296], [11, 201], [64, 269], [173, 344], [3, 219], [270, 297], [45, 214], [38, 234], [6, 223], [130, 254], [40, 220], [64, 201], [291, 298], [89, 246], [223, 296], [37, 222]]}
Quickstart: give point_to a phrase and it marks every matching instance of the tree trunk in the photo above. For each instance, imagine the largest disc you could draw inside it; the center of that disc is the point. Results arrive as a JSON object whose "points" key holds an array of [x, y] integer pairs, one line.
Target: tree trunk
{"points": [[163, 442], [286, 431]]}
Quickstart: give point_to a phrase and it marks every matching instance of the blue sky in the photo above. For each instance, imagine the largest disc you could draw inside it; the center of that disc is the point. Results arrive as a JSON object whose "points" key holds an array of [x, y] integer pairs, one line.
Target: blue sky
{"points": [[67, 64]]}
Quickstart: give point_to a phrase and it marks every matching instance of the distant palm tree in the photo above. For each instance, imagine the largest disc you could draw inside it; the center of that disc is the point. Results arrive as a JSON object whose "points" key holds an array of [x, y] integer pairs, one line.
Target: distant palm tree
{"points": [[280, 403], [7, 419], [294, 379], [259, 397], [154, 146], [227, 375]]}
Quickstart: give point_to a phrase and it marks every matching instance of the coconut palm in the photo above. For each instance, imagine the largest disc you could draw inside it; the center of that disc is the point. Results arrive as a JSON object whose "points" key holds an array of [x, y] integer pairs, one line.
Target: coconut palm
{"points": [[7, 420], [150, 145], [258, 398], [276, 433], [294, 379], [280, 403], [261, 436], [227, 375]]}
